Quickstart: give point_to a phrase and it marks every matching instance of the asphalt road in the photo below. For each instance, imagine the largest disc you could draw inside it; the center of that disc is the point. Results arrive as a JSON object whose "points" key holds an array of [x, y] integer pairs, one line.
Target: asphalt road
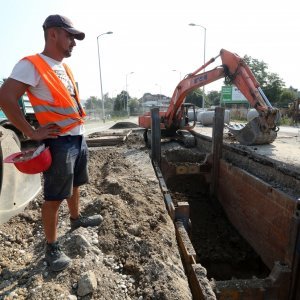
{"points": [[98, 125]]}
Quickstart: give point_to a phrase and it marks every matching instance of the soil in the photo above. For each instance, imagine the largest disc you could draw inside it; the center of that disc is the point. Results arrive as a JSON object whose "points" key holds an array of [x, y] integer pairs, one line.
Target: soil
{"points": [[121, 125], [133, 254]]}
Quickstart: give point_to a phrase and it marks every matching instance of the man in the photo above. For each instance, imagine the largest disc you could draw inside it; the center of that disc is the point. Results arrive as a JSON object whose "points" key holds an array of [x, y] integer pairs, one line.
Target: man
{"points": [[53, 94]]}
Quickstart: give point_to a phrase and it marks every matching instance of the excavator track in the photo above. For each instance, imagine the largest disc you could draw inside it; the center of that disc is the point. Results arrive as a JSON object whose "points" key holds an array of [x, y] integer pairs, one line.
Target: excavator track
{"points": [[186, 138], [251, 133]]}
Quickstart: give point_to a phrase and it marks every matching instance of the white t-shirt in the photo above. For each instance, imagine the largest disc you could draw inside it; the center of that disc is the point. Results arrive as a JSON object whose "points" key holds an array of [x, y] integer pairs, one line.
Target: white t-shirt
{"points": [[24, 71]]}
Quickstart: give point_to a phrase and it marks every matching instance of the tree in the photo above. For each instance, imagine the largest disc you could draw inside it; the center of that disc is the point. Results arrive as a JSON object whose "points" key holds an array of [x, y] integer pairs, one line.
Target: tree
{"points": [[120, 101], [92, 103], [258, 68], [286, 97], [213, 98], [271, 84], [134, 105], [274, 88], [108, 102], [195, 97]]}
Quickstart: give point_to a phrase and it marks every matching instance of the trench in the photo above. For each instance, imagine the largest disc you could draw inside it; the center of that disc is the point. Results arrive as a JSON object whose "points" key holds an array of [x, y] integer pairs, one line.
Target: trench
{"points": [[219, 247]]}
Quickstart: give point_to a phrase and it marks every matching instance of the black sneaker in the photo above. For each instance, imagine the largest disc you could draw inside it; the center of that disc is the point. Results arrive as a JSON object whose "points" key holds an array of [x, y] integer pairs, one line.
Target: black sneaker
{"points": [[86, 221], [56, 259]]}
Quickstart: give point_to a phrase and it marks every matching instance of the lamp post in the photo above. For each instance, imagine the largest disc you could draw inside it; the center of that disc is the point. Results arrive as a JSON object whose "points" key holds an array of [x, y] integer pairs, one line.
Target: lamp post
{"points": [[204, 50], [179, 74], [127, 107], [103, 110]]}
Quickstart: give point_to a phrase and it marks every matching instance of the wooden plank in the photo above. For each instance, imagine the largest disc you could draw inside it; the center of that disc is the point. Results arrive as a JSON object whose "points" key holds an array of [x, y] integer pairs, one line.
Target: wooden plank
{"points": [[170, 206], [104, 141], [129, 132], [185, 244], [182, 213], [181, 169], [107, 138], [200, 285], [121, 132]]}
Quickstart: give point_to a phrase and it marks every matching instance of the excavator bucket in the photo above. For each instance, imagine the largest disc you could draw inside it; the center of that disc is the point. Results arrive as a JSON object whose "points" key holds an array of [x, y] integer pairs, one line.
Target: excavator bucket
{"points": [[251, 133], [17, 189]]}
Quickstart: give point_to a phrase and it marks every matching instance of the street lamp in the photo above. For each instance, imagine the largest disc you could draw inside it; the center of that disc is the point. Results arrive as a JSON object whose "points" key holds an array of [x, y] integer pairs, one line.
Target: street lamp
{"points": [[204, 50], [103, 110], [179, 74], [127, 93]]}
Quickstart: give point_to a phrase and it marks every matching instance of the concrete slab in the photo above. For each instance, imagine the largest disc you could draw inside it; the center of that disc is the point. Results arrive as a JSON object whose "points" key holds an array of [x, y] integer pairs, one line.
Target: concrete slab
{"points": [[285, 148]]}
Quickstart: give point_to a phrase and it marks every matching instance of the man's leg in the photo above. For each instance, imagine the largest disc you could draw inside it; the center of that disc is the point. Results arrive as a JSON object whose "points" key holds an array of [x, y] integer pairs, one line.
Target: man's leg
{"points": [[76, 219], [58, 183], [55, 258], [50, 219], [73, 203]]}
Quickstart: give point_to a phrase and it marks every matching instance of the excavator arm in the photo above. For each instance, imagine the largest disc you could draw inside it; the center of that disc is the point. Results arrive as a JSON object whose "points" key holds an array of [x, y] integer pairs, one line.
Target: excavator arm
{"points": [[261, 130], [187, 85], [241, 76]]}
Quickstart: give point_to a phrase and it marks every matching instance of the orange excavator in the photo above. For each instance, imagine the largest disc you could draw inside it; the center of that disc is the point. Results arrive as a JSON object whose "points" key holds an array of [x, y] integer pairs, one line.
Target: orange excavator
{"points": [[260, 130]]}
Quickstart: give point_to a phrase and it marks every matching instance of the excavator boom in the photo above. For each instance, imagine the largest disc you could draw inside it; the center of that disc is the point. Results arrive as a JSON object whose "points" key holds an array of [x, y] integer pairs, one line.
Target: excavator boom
{"points": [[261, 130]]}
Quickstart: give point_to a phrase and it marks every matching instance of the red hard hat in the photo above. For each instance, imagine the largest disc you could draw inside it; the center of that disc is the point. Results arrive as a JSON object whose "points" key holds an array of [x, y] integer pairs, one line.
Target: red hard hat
{"points": [[35, 165]]}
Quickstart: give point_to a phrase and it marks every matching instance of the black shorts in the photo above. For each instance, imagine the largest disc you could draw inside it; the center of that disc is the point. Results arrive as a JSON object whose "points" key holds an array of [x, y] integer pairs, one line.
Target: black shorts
{"points": [[68, 168]]}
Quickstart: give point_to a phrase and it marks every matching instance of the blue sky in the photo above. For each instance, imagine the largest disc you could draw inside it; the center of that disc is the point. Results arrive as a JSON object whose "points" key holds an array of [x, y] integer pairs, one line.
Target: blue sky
{"points": [[152, 38]]}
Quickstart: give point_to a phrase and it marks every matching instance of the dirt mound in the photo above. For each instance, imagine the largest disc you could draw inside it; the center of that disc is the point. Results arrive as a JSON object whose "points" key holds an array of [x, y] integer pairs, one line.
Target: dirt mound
{"points": [[121, 125], [133, 254]]}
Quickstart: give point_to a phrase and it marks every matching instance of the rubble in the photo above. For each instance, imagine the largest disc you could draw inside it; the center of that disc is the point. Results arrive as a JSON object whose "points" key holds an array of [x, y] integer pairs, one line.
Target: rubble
{"points": [[133, 254]]}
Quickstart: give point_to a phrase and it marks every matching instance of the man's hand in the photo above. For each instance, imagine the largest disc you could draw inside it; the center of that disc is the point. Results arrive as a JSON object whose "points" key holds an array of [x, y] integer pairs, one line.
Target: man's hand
{"points": [[50, 131], [10, 92]]}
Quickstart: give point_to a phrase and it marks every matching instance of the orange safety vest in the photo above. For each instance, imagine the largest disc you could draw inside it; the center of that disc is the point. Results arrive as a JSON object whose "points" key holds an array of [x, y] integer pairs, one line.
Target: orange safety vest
{"points": [[65, 111]]}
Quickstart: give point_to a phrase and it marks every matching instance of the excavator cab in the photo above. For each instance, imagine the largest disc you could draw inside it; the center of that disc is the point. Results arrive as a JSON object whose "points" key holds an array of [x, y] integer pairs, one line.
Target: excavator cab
{"points": [[188, 116], [17, 189]]}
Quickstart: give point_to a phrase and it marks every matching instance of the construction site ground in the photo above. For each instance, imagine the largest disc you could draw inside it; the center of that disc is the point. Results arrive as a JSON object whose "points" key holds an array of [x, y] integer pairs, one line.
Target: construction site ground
{"points": [[133, 254]]}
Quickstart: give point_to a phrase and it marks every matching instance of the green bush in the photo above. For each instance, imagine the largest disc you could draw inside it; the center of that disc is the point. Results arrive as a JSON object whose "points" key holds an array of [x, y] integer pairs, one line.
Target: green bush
{"points": [[286, 121]]}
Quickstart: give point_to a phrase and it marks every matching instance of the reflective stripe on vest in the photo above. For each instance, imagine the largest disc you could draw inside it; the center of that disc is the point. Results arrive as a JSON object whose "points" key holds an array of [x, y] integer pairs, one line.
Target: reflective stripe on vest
{"points": [[65, 111]]}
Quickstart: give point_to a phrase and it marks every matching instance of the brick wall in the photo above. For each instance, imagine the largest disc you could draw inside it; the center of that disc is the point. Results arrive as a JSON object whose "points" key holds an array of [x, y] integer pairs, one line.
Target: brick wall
{"points": [[262, 214]]}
